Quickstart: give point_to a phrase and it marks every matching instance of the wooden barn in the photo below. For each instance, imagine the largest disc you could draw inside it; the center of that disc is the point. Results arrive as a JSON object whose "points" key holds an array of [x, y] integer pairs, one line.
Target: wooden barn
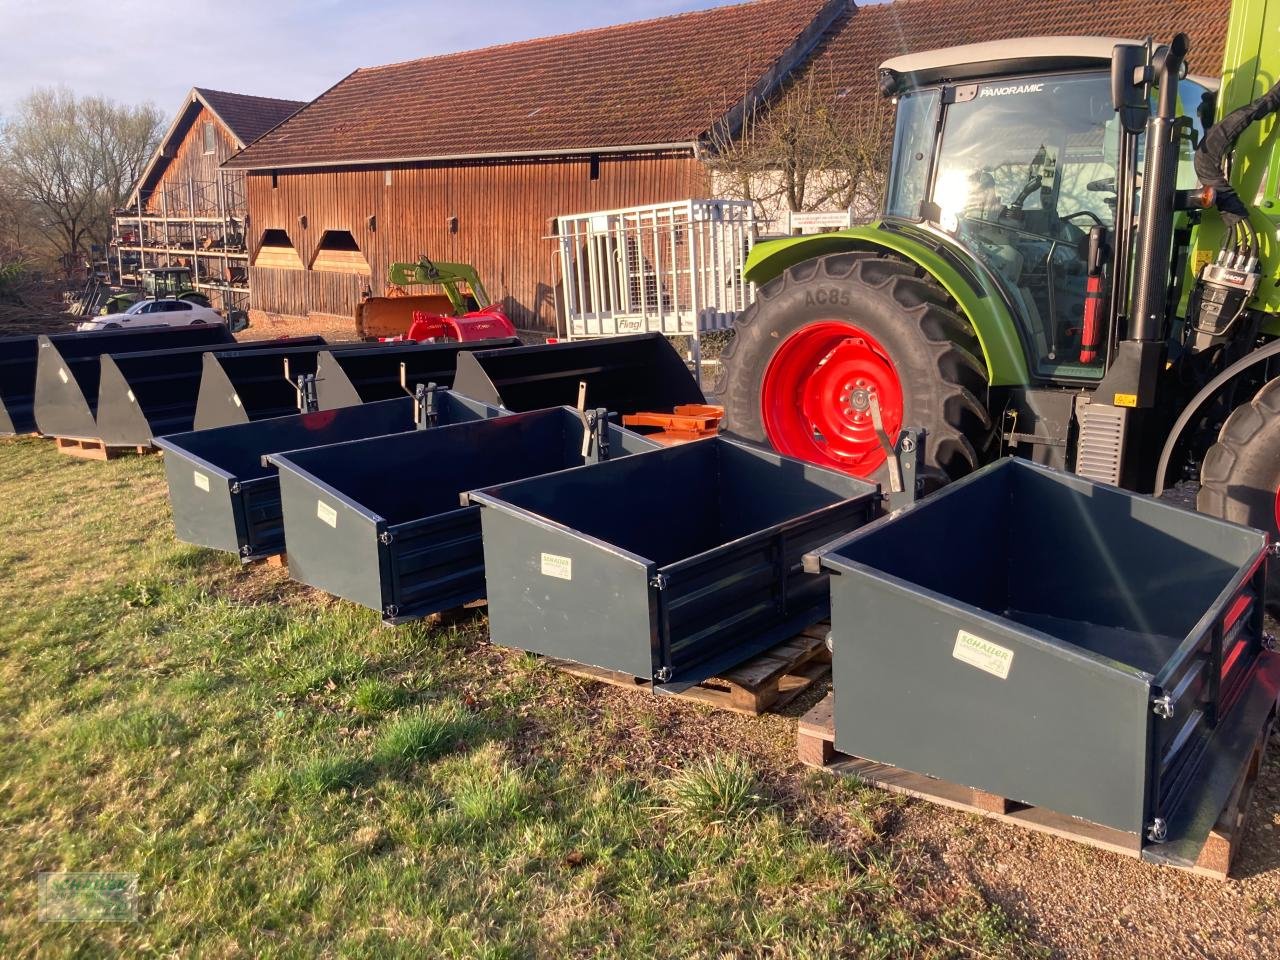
{"points": [[185, 210], [470, 156]]}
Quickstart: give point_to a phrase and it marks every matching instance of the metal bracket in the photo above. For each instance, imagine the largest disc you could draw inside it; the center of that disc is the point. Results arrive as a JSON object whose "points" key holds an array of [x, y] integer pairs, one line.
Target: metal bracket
{"points": [[1162, 706], [386, 538], [1270, 643], [595, 428], [390, 610], [903, 456], [305, 385], [425, 412], [659, 582], [662, 675], [1273, 549], [1158, 830]]}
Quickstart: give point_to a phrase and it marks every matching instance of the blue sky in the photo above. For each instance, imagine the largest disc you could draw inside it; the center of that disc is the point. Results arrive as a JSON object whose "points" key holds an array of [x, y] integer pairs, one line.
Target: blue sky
{"points": [[139, 50]]}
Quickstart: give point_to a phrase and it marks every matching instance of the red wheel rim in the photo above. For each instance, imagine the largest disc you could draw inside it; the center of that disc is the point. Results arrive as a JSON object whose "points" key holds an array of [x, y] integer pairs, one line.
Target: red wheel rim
{"points": [[815, 399]]}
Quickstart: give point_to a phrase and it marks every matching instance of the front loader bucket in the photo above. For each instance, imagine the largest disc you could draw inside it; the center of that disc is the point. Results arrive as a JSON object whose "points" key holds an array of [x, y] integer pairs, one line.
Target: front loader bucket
{"points": [[17, 385], [146, 395], [623, 375], [68, 370], [407, 548], [243, 386], [225, 497], [361, 376], [1059, 643], [689, 585], [393, 316]]}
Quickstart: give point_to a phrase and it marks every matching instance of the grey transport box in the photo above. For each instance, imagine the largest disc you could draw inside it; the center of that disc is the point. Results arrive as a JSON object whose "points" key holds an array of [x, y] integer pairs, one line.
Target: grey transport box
{"points": [[68, 370], [241, 386], [224, 496], [381, 522], [146, 395], [1057, 642], [623, 375], [17, 385], [672, 565], [348, 377]]}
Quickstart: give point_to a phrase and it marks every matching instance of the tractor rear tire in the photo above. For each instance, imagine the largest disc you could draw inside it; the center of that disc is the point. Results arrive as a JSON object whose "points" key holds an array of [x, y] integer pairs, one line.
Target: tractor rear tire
{"points": [[1240, 476], [904, 338]]}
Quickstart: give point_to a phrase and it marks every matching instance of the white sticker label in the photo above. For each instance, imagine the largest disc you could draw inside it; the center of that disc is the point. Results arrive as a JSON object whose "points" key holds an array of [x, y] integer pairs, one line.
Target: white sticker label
{"points": [[201, 480], [62, 374], [235, 398], [131, 397], [326, 513], [559, 567], [983, 654]]}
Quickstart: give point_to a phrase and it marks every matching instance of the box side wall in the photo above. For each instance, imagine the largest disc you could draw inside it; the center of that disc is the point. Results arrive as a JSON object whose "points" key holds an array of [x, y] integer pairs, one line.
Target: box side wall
{"points": [[205, 517], [556, 594], [1058, 731], [330, 546]]}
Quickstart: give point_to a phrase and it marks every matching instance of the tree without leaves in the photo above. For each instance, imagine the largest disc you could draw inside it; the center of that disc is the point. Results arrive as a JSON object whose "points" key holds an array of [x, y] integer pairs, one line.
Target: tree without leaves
{"points": [[73, 160], [805, 150]]}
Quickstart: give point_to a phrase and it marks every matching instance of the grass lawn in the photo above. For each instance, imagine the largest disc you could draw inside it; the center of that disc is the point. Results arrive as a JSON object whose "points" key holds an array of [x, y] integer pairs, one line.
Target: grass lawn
{"points": [[289, 778]]}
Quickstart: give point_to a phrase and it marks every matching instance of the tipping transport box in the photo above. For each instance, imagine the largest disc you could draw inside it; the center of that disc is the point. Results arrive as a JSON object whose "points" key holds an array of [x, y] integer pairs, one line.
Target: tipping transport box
{"points": [[603, 565], [407, 546], [1056, 642], [225, 497]]}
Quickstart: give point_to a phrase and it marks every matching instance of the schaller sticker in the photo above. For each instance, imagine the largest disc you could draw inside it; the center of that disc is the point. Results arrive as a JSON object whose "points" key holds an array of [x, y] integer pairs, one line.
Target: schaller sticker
{"points": [[326, 513], [983, 654], [201, 481], [559, 567]]}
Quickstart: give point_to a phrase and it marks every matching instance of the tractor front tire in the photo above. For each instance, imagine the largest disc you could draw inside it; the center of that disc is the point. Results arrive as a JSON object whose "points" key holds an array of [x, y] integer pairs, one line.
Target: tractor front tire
{"points": [[1240, 476], [818, 337]]}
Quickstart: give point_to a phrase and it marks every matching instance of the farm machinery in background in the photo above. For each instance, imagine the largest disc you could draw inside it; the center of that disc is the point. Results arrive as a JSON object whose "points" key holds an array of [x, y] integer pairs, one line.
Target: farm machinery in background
{"points": [[461, 311], [1077, 263], [159, 284]]}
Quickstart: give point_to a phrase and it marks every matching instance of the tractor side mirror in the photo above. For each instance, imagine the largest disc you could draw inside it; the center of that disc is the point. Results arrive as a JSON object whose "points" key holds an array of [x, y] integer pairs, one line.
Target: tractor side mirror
{"points": [[1130, 78]]}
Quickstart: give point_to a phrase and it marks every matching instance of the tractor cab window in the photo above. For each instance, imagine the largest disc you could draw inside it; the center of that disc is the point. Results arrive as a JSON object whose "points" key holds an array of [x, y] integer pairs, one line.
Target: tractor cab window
{"points": [[912, 151], [1025, 167]]}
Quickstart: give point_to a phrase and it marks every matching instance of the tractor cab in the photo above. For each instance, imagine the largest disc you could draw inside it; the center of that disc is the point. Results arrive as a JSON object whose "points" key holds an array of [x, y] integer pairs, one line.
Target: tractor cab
{"points": [[1013, 151]]}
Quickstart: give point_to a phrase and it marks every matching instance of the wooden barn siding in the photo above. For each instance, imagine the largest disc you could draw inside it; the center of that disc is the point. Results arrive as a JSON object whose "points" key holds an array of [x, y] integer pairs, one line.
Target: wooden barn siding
{"points": [[190, 162], [504, 212]]}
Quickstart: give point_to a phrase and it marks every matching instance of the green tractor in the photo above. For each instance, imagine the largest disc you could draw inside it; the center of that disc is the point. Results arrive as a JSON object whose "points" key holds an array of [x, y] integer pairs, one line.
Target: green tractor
{"points": [[1077, 263], [159, 284]]}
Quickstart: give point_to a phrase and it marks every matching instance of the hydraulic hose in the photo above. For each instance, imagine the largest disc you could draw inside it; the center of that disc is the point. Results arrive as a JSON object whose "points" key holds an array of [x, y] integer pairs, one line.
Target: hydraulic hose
{"points": [[1211, 159]]}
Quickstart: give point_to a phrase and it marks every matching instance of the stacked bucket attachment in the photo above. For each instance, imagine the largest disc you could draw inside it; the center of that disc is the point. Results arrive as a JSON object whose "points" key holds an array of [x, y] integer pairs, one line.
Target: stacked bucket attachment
{"points": [[1059, 643], [625, 375], [17, 385], [68, 369], [226, 497], [241, 386], [365, 375], [382, 522], [672, 565], [146, 395]]}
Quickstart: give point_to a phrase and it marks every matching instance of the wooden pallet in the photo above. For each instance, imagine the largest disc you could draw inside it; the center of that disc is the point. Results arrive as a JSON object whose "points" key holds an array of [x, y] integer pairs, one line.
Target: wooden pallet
{"points": [[95, 449], [766, 682], [815, 741]]}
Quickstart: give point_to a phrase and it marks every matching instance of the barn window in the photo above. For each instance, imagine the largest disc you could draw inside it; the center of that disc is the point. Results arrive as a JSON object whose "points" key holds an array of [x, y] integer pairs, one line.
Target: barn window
{"points": [[339, 253], [210, 139], [277, 250]]}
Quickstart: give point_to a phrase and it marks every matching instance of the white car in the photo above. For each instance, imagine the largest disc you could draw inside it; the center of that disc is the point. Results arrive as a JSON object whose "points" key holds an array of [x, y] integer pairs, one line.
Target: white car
{"points": [[154, 313]]}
